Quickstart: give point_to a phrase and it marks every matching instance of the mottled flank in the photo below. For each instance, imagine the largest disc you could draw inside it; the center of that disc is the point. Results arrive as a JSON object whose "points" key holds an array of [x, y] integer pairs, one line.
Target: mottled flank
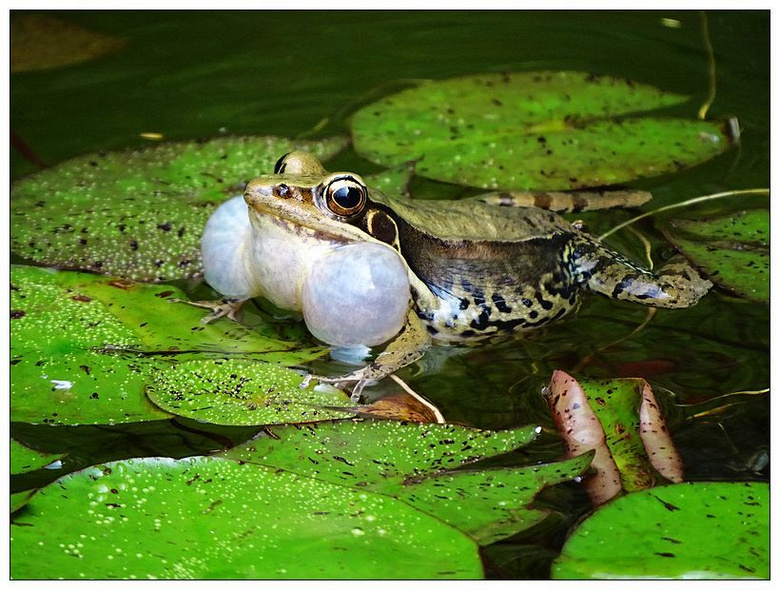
{"points": [[138, 214], [533, 131]]}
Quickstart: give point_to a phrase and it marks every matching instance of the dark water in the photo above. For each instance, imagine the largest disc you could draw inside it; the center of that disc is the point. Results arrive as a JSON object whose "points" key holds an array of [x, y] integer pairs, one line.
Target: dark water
{"points": [[192, 74]]}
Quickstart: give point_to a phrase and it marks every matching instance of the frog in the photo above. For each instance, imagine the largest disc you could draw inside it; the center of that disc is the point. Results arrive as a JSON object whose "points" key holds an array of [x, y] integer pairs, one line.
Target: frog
{"points": [[366, 269]]}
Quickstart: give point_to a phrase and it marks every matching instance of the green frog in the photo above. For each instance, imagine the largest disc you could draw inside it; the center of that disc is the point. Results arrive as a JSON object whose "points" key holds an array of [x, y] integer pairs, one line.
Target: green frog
{"points": [[365, 269]]}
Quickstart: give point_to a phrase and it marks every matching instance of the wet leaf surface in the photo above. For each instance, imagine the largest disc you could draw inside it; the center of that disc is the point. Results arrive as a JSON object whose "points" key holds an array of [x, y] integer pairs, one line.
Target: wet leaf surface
{"points": [[491, 505], [24, 459], [215, 518], [533, 130], [237, 393], [732, 249], [84, 347], [139, 214], [415, 463], [388, 452], [687, 530]]}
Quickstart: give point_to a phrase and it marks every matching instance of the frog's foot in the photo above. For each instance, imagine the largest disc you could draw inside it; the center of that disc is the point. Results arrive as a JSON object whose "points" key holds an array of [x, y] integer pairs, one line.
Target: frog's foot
{"points": [[674, 285], [343, 381], [225, 307]]}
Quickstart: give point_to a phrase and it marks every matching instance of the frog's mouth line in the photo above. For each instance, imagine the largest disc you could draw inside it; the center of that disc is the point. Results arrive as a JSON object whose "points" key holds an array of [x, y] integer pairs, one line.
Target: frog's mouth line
{"points": [[298, 227]]}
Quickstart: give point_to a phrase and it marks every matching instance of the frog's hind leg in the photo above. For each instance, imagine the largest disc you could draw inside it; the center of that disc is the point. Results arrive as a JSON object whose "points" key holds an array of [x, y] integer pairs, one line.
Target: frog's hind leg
{"points": [[675, 285], [573, 201]]}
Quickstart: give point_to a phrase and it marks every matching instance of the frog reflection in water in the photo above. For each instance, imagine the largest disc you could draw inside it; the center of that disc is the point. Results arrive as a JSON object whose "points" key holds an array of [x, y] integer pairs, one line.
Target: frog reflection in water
{"points": [[365, 269]]}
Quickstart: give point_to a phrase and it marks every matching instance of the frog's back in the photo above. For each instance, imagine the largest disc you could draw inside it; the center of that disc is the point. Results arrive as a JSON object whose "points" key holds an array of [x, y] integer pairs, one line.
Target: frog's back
{"points": [[495, 270]]}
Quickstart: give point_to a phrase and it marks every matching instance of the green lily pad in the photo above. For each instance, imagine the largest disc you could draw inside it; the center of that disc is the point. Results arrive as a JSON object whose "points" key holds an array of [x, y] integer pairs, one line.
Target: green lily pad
{"points": [[24, 459], [84, 347], [414, 463], [236, 392], [494, 504], [139, 214], [732, 249], [687, 530], [20, 499], [533, 130], [215, 518], [376, 455]]}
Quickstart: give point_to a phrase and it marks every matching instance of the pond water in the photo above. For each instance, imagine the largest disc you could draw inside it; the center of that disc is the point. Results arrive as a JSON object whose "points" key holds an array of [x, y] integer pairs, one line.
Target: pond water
{"points": [[195, 75]]}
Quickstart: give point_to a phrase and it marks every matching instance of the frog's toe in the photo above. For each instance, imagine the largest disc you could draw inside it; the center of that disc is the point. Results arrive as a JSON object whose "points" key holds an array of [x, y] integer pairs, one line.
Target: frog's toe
{"points": [[230, 308]]}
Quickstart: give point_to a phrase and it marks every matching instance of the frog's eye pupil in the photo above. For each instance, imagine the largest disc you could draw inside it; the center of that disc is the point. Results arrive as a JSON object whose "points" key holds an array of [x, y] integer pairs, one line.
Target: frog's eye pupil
{"points": [[345, 196], [280, 165], [348, 196]]}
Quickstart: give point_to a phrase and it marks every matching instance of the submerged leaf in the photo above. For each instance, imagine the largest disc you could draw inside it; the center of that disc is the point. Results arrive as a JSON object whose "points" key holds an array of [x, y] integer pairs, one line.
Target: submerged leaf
{"points": [[732, 249], [688, 530], [40, 42], [140, 213], [214, 518], [533, 130]]}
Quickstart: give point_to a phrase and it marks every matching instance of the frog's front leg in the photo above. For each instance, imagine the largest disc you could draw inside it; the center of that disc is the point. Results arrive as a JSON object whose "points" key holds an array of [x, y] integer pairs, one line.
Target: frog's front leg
{"points": [[225, 307], [674, 285], [408, 346]]}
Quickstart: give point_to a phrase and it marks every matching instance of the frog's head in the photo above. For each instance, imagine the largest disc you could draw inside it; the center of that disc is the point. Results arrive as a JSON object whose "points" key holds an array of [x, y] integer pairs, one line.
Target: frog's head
{"points": [[302, 193]]}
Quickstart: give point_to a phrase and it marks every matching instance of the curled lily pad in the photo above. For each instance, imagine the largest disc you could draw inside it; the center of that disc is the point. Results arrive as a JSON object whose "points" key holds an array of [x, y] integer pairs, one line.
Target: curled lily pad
{"points": [[84, 347], [619, 419], [238, 392], [533, 130], [732, 249], [687, 530], [139, 214], [215, 518]]}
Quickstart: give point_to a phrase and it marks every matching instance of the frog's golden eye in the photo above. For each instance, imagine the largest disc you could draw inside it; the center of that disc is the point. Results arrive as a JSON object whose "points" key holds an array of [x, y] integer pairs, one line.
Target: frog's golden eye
{"points": [[345, 196]]}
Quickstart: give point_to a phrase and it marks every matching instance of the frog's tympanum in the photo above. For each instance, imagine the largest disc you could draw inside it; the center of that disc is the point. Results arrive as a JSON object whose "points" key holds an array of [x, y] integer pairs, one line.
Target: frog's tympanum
{"points": [[365, 269]]}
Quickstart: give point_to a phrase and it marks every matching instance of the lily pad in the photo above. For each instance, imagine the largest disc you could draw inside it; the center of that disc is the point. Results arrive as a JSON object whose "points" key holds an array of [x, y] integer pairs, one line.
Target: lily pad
{"points": [[139, 214], [215, 518], [490, 505], [687, 530], [84, 347], [732, 249], [376, 455], [236, 393], [619, 419], [415, 463], [24, 459], [533, 130]]}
